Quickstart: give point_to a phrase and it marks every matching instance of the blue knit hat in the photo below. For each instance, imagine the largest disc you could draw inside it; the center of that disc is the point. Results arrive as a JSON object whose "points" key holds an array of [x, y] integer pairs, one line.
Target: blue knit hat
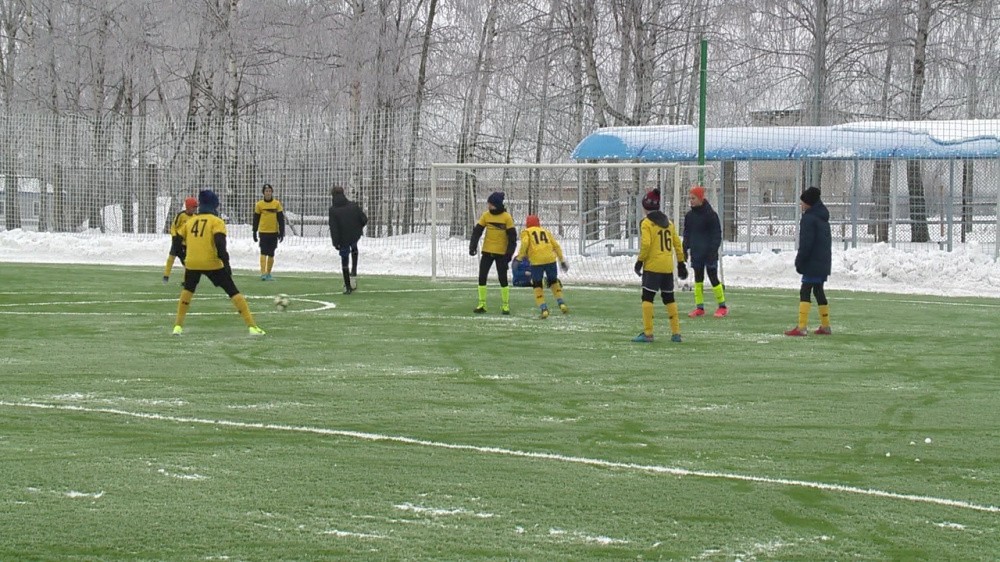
{"points": [[495, 199], [208, 201]]}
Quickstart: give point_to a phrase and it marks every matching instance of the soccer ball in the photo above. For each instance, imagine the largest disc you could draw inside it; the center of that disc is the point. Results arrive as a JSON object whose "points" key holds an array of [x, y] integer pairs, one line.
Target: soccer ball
{"points": [[281, 302]]}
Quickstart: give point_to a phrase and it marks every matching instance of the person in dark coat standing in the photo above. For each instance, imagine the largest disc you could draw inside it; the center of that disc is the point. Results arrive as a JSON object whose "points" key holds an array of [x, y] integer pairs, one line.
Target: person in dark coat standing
{"points": [[347, 221], [702, 240], [813, 261]]}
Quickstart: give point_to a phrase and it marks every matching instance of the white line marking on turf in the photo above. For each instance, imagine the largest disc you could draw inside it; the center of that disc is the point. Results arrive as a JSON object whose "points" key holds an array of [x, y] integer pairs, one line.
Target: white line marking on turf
{"points": [[320, 306], [656, 469]]}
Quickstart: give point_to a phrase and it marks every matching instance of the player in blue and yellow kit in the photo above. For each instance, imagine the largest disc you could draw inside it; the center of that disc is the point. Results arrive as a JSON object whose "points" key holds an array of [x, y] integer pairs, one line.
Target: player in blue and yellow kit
{"points": [[498, 248], [543, 250], [655, 264], [177, 249], [205, 236], [269, 220]]}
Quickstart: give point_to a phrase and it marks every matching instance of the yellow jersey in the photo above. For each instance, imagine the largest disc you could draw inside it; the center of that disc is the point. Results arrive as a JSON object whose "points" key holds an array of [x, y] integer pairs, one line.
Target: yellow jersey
{"points": [[179, 220], [495, 241], [660, 244], [540, 247], [268, 212], [199, 235]]}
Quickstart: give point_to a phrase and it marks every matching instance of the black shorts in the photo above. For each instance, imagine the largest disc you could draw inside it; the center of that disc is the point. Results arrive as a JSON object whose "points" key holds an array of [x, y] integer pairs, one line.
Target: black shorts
{"points": [[219, 277], [657, 282], [268, 243], [177, 248]]}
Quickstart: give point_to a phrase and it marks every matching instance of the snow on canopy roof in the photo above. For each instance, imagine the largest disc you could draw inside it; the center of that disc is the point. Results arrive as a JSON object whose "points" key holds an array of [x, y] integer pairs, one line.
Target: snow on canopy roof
{"points": [[864, 140]]}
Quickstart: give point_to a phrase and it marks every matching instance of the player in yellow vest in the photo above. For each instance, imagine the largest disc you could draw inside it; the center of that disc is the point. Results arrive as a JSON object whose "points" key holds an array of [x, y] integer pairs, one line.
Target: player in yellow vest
{"points": [[498, 248], [177, 248], [205, 236], [269, 220], [542, 250], [659, 245]]}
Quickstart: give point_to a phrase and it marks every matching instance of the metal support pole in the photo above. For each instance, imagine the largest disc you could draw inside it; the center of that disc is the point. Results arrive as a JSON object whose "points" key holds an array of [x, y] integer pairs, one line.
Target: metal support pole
{"points": [[434, 232], [856, 188], [948, 209]]}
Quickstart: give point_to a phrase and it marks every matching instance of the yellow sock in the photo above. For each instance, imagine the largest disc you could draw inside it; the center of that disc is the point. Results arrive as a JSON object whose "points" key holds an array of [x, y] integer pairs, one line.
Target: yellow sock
{"points": [[539, 296], [675, 321], [182, 306], [720, 294], [824, 315], [270, 263], [263, 264], [505, 296], [244, 309], [169, 266], [804, 314], [481, 290], [647, 318], [557, 290], [699, 293]]}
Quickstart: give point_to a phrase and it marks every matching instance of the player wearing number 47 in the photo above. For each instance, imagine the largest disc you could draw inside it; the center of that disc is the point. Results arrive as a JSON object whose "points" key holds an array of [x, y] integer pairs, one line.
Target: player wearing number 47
{"points": [[655, 264], [205, 237], [542, 250]]}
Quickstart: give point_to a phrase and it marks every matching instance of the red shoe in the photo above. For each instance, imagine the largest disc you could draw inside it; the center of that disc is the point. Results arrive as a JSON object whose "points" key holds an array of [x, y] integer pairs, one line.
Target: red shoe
{"points": [[796, 331], [696, 313], [721, 311], [823, 331]]}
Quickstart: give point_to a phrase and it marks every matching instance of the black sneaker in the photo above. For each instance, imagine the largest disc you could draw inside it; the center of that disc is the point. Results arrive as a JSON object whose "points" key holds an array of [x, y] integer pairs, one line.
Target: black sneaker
{"points": [[479, 309], [348, 290]]}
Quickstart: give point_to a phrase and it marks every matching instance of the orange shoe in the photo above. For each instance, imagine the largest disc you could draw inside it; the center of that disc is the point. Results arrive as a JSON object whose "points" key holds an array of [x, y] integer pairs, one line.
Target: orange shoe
{"points": [[796, 331], [696, 312], [721, 311], [823, 331]]}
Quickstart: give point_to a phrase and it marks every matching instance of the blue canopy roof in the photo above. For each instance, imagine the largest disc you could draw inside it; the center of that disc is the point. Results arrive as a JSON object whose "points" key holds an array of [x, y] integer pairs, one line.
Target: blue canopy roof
{"points": [[864, 140]]}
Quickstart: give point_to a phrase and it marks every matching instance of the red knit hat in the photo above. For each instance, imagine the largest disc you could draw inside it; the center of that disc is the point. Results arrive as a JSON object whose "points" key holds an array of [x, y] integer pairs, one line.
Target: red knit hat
{"points": [[531, 221], [651, 202], [699, 192]]}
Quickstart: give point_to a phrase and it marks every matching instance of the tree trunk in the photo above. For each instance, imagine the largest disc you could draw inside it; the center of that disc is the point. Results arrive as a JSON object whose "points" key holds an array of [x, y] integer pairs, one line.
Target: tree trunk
{"points": [[411, 161], [919, 231]]}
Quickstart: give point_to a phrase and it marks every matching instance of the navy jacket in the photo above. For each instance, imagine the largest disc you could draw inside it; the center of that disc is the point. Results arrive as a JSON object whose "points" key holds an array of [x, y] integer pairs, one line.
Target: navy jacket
{"points": [[347, 220], [702, 233], [815, 242]]}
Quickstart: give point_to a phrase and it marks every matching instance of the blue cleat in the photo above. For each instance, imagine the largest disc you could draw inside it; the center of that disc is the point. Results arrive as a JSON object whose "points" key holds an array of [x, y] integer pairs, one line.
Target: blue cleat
{"points": [[675, 338], [643, 338]]}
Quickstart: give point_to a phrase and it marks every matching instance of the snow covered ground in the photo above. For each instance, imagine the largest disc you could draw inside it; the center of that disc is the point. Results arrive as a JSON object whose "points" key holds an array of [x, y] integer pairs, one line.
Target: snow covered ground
{"points": [[967, 271]]}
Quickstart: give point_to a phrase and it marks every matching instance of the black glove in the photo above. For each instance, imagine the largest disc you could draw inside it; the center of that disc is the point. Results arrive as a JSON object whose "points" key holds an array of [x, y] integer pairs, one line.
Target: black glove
{"points": [[227, 269], [564, 266], [472, 250], [638, 268], [336, 247], [507, 258], [281, 237], [255, 236], [682, 270]]}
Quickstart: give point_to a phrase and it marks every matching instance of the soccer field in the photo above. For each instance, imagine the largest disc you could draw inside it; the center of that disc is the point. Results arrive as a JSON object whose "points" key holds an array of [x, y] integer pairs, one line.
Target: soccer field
{"points": [[393, 424]]}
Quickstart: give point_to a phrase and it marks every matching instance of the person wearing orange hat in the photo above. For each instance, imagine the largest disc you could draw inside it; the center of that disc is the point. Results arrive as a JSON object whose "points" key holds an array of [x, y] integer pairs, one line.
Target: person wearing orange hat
{"points": [[543, 250], [177, 247], [702, 240]]}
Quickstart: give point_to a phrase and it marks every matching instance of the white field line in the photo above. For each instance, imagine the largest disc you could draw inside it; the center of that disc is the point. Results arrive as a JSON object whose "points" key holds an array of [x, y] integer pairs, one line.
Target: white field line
{"points": [[319, 306], [656, 469]]}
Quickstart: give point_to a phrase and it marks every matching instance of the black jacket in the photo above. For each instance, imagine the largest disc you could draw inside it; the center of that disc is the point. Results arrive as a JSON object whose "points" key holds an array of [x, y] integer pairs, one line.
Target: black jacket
{"points": [[347, 220], [702, 233], [815, 253]]}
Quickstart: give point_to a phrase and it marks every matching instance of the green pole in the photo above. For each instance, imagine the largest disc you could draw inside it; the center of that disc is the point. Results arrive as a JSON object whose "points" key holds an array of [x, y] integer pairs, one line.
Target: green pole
{"points": [[703, 81]]}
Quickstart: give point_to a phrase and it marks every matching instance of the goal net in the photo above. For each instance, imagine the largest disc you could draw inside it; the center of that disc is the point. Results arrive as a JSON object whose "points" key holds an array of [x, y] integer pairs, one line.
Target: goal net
{"points": [[593, 209]]}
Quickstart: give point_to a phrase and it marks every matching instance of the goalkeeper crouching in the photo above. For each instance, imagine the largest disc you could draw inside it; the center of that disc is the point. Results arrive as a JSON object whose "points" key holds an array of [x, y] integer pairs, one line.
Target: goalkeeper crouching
{"points": [[542, 250], [205, 237]]}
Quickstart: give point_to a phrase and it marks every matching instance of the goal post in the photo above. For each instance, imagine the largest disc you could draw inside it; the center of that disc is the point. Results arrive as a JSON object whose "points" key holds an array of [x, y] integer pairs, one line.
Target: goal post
{"points": [[593, 209]]}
